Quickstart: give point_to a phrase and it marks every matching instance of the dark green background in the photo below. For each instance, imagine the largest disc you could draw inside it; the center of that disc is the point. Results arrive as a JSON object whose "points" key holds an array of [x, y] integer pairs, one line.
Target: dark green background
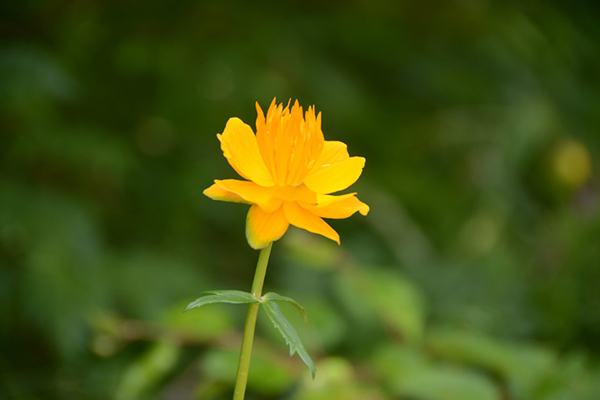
{"points": [[475, 276]]}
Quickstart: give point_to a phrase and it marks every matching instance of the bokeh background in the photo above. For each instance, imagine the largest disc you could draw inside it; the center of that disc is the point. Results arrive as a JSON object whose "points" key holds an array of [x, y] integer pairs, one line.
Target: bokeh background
{"points": [[475, 277]]}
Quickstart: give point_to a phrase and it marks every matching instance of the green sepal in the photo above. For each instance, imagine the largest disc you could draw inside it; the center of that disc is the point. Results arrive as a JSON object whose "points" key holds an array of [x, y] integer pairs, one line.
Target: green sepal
{"points": [[223, 296], [272, 296], [288, 332]]}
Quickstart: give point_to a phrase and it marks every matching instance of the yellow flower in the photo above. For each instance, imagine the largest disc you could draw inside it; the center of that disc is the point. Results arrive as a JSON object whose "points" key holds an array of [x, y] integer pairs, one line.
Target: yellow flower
{"points": [[291, 172]]}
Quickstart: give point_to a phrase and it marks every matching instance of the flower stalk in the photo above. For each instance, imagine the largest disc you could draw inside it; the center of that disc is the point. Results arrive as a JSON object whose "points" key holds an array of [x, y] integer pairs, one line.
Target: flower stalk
{"points": [[250, 324], [291, 176]]}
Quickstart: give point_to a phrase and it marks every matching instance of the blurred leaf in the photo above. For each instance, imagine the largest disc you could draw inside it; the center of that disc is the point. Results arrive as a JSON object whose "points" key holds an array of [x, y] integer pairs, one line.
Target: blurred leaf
{"points": [[59, 268], [399, 303], [145, 373], [572, 379], [271, 296], [205, 324], [310, 250], [149, 281], [524, 366], [266, 376], [393, 361], [337, 380], [29, 74], [223, 296], [220, 365], [327, 328], [444, 383], [289, 333], [390, 297], [409, 372]]}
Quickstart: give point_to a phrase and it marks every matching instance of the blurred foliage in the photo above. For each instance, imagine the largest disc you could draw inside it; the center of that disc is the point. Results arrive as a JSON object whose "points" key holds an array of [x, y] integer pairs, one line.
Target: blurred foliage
{"points": [[475, 276]]}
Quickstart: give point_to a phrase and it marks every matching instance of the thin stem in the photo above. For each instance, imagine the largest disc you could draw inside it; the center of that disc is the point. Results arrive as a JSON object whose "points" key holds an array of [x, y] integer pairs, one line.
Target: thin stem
{"points": [[248, 338]]}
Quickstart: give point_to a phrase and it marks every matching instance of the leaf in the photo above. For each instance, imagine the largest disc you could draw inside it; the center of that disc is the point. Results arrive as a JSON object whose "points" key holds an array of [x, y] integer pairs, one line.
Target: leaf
{"points": [[409, 372], [289, 333], [272, 296], [223, 296], [376, 296], [439, 383], [208, 323], [143, 375], [524, 367], [267, 378]]}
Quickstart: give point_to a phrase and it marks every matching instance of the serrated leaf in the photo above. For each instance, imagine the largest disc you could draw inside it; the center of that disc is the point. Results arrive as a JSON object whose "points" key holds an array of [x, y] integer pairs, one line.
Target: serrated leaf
{"points": [[272, 296], [223, 296], [289, 333]]}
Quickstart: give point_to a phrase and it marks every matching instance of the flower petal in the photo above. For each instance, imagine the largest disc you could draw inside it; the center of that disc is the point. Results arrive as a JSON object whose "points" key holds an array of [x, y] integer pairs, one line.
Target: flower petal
{"points": [[263, 227], [333, 152], [216, 193], [251, 193], [305, 219], [330, 178], [307, 143], [295, 193], [264, 137], [240, 147], [288, 141], [338, 207]]}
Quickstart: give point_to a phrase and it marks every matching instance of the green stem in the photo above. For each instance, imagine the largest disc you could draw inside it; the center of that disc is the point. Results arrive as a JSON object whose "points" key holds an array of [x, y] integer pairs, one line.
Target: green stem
{"points": [[248, 338]]}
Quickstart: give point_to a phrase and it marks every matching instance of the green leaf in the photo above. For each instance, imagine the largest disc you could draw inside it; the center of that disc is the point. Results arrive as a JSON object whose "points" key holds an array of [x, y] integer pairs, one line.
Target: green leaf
{"points": [[409, 372], [208, 323], [386, 295], [289, 333], [223, 296], [267, 378], [524, 366], [144, 374], [439, 383], [272, 296]]}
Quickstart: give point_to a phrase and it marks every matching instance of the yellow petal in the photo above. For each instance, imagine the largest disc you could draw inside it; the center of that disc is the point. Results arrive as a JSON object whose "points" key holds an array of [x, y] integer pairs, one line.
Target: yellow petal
{"points": [[289, 141], [263, 227], [338, 207], [241, 150], [326, 199], [264, 137], [285, 131], [333, 152], [295, 193], [216, 193], [307, 148], [251, 193], [330, 178], [305, 219]]}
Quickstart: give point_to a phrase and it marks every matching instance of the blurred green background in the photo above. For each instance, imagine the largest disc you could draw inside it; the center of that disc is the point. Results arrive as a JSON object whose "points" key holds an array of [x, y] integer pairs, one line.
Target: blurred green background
{"points": [[475, 276]]}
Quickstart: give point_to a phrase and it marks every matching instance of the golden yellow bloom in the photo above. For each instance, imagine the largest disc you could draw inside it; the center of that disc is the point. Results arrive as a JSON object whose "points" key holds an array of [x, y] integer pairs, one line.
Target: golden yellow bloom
{"points": [[291, 171]]}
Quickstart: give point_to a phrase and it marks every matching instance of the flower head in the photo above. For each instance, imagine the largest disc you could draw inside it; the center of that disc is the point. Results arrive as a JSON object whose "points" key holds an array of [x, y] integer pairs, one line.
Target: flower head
{"points": [[291, 171]]}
